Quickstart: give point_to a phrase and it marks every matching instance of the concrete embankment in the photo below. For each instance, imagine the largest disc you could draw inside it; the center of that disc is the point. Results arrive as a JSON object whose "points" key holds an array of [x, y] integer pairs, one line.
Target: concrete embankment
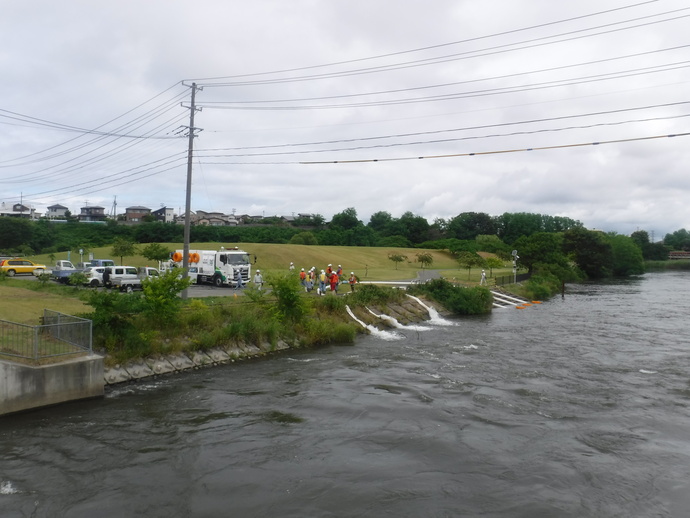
{"points": [[24, 387], [171, 363]]}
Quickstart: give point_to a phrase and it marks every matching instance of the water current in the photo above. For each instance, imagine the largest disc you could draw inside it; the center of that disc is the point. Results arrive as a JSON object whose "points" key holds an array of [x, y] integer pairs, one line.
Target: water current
{"points": [[577, 407]]}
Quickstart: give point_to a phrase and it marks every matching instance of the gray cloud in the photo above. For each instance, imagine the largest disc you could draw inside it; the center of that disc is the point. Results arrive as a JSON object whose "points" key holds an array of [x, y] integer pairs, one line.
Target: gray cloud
{"points": [[95, 65]]}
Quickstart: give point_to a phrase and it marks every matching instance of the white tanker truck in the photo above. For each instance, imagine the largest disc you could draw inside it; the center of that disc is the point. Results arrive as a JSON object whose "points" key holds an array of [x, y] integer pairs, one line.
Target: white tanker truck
{"points": [[213, 267]]}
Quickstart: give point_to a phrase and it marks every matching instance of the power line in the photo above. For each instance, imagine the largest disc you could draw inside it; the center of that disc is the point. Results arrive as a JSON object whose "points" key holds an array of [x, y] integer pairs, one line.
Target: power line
{"points": [[458, 139], [499, 49], [421, 49], [476, 93], [455, 83], [480, 153], [449, 130]]}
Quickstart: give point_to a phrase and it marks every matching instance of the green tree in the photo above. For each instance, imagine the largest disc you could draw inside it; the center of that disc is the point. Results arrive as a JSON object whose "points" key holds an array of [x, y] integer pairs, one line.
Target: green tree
{"points": [[123, 247], [470, 260], [415, 228], [590, 251], [161, 296], [425, 258], [493, 262], [627, 256], [678, 240], [14, 232], [542, 247], [345, 220], [379, 221], [304, 238], [491, 243], [290, 304], [468, 225], [397, 258], [156, 252]]}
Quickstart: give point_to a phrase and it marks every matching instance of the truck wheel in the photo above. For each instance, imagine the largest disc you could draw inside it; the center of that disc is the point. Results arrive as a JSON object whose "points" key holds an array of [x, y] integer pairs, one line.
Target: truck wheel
{"points": [[129, 288], [94, 283], [217, 281]]}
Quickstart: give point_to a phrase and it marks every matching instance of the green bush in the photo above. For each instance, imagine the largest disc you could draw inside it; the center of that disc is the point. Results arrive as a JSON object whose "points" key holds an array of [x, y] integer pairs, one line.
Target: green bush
{"points": [[161, 296], [321, 332], [367, 294], [542, 286], [459, 300], [290, 305]]}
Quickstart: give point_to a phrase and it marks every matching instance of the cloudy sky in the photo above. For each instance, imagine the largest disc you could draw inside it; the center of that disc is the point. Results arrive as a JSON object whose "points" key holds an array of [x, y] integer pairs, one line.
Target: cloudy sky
{"points": [[434, 107]]}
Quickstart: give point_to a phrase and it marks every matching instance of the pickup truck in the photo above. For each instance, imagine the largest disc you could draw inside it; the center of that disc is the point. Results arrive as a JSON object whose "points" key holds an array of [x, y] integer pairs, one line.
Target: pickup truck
{"points": [[128, 278], [64, 269]]}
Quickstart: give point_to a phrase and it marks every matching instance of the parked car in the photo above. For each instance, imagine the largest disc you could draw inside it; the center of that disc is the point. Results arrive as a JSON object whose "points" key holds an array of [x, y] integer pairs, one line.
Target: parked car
{"points": [[21, 266], [94, 276]]}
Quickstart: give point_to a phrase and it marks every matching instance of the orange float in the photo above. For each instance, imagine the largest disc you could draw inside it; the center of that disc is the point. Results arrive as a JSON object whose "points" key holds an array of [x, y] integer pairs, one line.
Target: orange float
{"points": [[194, 258], [177, 257]]}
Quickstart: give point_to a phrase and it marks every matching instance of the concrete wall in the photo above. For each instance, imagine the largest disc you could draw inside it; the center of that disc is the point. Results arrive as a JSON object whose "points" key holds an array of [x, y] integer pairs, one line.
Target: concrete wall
{"points": [[23, 387]]}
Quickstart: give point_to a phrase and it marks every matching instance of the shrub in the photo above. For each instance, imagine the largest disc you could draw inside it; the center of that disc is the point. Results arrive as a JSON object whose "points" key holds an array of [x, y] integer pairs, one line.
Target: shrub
{"points": [[366, 294], [161, 300], [461, 301], [290, 304]]}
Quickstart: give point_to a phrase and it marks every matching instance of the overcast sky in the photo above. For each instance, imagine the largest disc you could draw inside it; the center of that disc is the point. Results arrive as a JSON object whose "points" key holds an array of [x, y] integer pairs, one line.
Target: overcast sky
{"points": [[95, 96]]}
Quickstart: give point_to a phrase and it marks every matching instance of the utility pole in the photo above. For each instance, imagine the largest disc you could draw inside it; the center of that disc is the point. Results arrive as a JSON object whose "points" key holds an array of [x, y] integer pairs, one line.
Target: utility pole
{"points": [[188, 199]]}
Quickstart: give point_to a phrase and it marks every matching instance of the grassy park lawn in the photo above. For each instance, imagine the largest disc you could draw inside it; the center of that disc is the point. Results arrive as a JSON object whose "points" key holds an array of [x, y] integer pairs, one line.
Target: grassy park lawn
{"points": [[23, 305], [20, 304]]}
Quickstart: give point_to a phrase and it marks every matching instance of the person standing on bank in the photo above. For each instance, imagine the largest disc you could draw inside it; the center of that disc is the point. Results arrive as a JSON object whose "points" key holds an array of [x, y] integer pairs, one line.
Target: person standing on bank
{"points": [[334, 282], [258, 280], [322, 282], [482, 282], [352, 281], [240, 283]]}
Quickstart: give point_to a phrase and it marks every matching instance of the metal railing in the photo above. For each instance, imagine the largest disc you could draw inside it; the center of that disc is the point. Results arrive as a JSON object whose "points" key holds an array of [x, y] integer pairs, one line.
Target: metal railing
{"points": [[58, 335], [510, 279]]}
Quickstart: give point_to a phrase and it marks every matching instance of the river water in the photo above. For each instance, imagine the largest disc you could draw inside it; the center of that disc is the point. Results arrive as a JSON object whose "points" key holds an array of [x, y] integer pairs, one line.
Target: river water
{"points": [[577, 407]]}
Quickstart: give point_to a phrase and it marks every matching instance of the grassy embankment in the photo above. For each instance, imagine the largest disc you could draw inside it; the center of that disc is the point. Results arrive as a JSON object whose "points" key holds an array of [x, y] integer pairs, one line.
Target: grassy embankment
{"points": [[19, 304], [129, 326]]}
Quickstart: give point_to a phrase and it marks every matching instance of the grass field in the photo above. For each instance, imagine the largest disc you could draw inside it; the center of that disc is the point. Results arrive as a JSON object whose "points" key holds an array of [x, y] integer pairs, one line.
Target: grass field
{"points": [[18, 304], [369, 264]]}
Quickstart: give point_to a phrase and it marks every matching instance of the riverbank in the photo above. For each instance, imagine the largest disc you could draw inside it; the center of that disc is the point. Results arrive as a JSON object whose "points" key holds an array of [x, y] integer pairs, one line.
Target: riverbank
{"points": [[380, 316]]}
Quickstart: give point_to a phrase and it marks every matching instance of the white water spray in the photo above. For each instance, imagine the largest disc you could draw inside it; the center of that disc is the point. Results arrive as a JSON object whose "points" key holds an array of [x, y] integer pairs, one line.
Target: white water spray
{"points": [[384, 335], [394, 322], [435, 318]]}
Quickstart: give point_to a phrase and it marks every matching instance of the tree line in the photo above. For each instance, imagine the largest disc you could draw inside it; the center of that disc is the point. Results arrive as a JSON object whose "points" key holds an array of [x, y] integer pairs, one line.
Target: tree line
{"points": [[466, 232]]}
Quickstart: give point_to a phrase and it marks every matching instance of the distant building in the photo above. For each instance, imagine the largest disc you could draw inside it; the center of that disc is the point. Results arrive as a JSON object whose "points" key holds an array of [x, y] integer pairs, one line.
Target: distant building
{"points": [[57, 211], [164, 214], [94, 213], [18, 210], [135, 214], [214, 219]]}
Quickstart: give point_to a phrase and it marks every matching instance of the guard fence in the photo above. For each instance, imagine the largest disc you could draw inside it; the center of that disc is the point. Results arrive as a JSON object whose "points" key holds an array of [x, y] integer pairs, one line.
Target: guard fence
{"points": [[58, 335], [511, 279]]}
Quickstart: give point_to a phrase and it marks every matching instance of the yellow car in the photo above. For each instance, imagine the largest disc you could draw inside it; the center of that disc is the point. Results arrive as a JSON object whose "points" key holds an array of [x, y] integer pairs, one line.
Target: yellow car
{"points": [[18, 266]]}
